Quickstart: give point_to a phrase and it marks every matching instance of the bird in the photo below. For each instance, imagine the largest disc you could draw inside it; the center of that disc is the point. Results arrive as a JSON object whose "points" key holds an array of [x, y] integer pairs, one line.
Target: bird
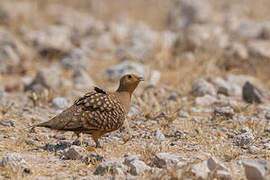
{"points": [[97, 112]]}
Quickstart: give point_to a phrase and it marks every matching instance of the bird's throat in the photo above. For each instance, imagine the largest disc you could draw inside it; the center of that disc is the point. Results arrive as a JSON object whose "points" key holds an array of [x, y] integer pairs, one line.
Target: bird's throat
{"points": [[124, 97]]}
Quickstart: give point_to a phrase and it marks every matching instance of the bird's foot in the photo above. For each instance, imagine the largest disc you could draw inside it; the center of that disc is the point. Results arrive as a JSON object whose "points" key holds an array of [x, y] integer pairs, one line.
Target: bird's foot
{"points": [[91, 149], [98, 145]]}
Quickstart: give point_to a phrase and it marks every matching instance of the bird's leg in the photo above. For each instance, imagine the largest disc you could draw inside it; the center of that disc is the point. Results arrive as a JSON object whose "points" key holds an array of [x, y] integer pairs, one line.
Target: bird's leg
{"points": [[79, 137], [95, 136], [97, 143]]}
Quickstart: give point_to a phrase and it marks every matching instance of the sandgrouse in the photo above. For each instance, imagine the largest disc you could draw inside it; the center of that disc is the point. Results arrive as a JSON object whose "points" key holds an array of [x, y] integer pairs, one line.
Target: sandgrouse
{"points": [[97, 112]]}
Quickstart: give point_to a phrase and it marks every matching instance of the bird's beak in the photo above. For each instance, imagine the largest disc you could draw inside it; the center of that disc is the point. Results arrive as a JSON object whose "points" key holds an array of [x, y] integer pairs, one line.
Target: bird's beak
{"points": [[141, 79]]}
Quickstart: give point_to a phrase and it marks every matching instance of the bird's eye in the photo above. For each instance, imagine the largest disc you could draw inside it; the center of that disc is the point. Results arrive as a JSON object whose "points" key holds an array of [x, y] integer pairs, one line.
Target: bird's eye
{"points": [[129, 76]]}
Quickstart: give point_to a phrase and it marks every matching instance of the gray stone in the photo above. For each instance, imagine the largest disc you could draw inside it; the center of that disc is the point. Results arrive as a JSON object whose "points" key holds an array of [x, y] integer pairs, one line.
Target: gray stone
{"points": [[75, 59], [131, 157], [113, 166], [259, 48], [224, 175], [205, 100], [126, 67], [255, 169], [200, 34], [215, 164], [265, 30], [251, 94], [248, 29], [81, 79], [200, 170], [183, 114], [60, 102], [167, 160], [188, 56], [92, 158], [105, 43], [267, 115], [236, 83], [138, 167], [46, 78], [266, 146], [168, 40], [186, 12], [74, 153], [60, 146], [236, 50], [52, 39], [224, 112], [253, 150], [223, 87], [159, 135], [201, 87], [154, 77], [140, 45], [13, 160], [244, 139], [10, 50]]}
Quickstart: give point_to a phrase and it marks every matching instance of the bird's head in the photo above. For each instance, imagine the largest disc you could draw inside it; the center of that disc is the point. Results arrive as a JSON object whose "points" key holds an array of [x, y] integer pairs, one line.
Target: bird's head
{"points": [[129, 82]]}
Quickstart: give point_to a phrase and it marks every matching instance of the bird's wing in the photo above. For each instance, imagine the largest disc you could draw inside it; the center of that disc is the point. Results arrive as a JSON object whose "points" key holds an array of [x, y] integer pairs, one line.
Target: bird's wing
{"points": [[96, 110], [100, 110]]}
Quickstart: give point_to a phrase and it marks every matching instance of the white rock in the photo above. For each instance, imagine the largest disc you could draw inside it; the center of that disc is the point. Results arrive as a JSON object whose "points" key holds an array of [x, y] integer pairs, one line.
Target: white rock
{"points": [[266, 30], [154, 77], [183, 114], [225, 175], [236, 50], [11, 50], [215, 164], [200, 34], [159, 135], [74, 152], [140, 44], [253, 150], [168, 40], [201, 87], [255, 169], [166, 159], [236, 82], [131, 157], [126, 67], [138, 167], [81, 79], [75, 59], [60, 102], [113, 166], [46, 78], [205, 100], [223, 87], [248, 29], [244, 139], [259, 48], [55, 37], [189, 56], [200, 170], [12, 160], [186, 12]]}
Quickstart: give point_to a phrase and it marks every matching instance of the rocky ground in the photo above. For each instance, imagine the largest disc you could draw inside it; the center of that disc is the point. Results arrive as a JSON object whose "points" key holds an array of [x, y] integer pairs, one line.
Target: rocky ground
{"points": [[202, 113]]}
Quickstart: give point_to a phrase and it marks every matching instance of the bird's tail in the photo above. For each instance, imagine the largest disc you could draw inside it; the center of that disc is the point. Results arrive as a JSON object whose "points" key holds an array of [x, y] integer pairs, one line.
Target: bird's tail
{"points": [[44, 124]]}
